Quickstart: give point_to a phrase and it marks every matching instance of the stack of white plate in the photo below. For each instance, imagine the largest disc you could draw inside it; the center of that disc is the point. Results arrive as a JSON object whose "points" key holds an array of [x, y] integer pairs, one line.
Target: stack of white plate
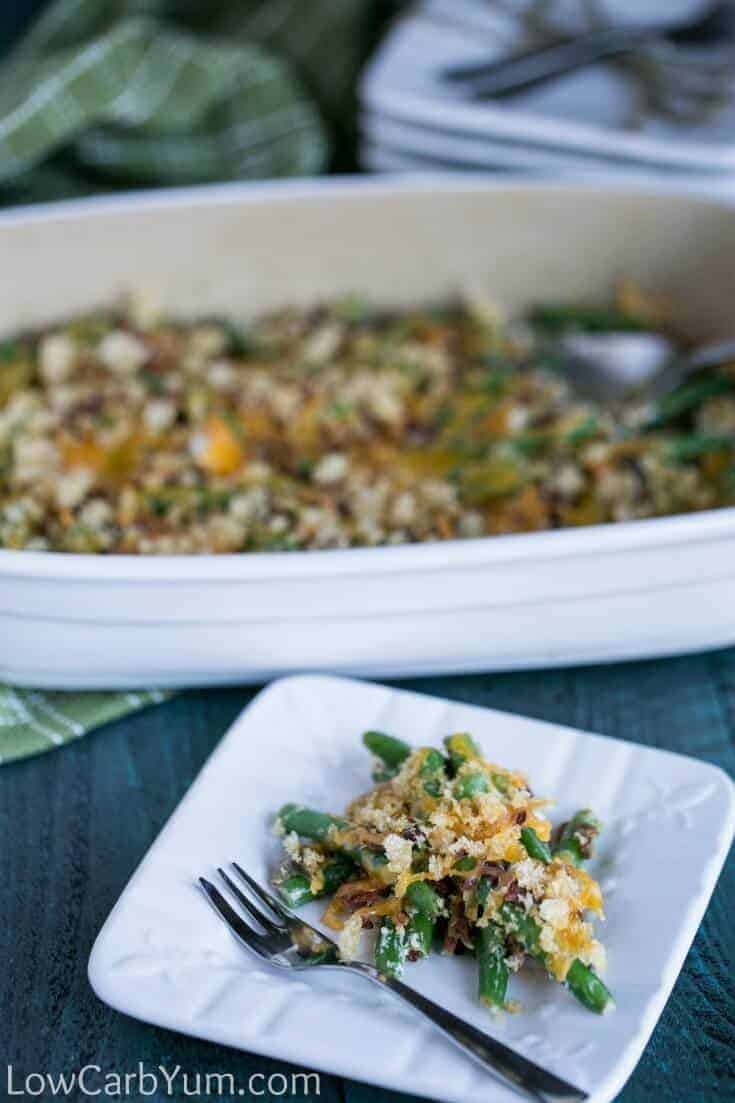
{"points": [[586, 123]]}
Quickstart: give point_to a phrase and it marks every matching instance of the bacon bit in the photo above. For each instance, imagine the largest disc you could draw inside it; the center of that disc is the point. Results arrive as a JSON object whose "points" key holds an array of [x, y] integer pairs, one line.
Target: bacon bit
{"points": [[165, 347], [365, 837], [458, 929], [444, 525], [496, 422], [585, 837], [513, 892], [520, 817], [491, 870], [435, 335], [363, 900], [91, 405], [366, 898], [715, 464], [494, 870], [349, 888], [527, 512], [515, 947]]}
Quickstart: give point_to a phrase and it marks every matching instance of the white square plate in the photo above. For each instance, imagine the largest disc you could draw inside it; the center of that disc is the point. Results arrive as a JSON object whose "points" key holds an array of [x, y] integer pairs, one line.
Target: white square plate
{"points": [[163, 956]]}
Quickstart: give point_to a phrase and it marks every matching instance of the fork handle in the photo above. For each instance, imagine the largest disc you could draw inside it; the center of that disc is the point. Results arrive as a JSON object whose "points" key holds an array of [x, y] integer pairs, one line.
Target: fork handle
{"points": [[533, 67], [514, 1070]]}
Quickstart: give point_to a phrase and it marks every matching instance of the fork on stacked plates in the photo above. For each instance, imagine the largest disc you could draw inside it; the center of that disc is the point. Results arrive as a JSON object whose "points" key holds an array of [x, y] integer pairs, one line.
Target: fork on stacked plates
{"points": [[647, 93]]}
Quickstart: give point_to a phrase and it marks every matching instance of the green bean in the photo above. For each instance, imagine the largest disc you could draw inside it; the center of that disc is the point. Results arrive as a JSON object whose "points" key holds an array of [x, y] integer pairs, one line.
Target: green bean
{"points": [[392, 753], [581, 433], [433, 763], [390, 951], [433, 787], [517, 921], [318, 825], [486, 480], [581, 979], [296, 889], [560, 318], [575, 838], [529, 444], [492, 971], [420, 857], [695, 445], [424, 906], [370, 860], [433, 771], [11, 350], [239, 342], [482, 893], [469, 785], [308, 822], [460, 748], [329, 955], [419, 935], [584, 983], [535, 847], [422, 897], [687, 396]]}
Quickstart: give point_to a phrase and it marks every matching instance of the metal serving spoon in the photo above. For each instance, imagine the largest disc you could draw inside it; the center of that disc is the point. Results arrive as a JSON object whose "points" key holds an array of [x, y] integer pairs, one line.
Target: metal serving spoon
{"points": [[534, 67], [612, 366]]}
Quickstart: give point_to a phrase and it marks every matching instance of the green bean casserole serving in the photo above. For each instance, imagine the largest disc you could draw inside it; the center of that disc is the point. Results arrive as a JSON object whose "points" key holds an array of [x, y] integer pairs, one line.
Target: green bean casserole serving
{"points": [[453, 851]]}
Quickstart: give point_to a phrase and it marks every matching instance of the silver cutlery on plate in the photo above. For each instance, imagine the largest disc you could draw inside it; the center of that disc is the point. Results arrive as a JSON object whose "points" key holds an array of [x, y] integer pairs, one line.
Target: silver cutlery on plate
{"points": [[565, 55]]}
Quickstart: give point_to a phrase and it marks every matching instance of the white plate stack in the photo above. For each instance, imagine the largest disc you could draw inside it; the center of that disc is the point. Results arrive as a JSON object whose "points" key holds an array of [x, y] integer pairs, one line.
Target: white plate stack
{"points": [[589, 123]]}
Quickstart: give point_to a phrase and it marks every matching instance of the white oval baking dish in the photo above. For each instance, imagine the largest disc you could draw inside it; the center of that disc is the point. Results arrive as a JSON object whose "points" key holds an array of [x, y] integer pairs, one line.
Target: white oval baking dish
{"points": [[587, 595]]}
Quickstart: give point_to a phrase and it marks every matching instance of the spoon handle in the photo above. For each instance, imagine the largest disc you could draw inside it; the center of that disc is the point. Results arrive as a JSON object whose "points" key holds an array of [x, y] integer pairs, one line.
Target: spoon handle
{"points": [[712, 355]]}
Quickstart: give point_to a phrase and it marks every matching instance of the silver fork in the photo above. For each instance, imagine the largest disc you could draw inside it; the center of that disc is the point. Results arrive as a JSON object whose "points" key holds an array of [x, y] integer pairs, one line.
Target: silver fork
{"points": [[283, 940]]}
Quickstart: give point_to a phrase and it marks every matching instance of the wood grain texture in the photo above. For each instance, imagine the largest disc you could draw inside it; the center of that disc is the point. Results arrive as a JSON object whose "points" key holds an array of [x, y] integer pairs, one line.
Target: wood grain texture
{"points": [[75, 823]]}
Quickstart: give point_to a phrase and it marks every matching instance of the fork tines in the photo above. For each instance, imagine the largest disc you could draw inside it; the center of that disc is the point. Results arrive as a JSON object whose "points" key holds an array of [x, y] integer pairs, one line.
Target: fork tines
{"points": [[273, 936]]}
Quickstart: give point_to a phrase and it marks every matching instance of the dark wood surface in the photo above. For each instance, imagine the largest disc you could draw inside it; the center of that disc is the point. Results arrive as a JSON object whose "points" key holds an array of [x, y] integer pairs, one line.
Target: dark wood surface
{"points": [[75, 823]]}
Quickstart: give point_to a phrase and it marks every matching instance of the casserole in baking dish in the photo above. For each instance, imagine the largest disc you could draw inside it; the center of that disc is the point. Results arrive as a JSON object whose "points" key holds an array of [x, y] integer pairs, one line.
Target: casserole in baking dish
{"points": [[636, 588]]}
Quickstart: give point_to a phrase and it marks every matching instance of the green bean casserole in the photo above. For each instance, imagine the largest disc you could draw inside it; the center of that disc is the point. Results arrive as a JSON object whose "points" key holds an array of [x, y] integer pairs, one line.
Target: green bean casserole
{"points": [[339, 426]]}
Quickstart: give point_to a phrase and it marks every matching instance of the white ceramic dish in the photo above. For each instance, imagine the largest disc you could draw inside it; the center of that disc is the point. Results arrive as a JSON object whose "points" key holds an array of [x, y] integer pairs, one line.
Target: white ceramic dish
{"points": [[163, 956], [588, 112], [644, 588]]}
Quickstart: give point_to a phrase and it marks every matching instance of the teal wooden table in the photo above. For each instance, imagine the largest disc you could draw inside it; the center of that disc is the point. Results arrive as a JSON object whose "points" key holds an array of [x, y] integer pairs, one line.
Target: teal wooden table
{"points": [[75, 823]]}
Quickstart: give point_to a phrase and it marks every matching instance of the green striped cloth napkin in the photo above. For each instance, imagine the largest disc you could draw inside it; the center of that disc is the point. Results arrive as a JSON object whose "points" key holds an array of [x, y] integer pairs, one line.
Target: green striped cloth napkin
{"points": [[32, 721], [103, 94]]}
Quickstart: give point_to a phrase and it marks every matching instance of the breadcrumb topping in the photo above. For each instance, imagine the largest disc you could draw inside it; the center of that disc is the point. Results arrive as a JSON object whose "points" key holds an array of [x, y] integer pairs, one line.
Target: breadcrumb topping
{"points": [[335, 427]]}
